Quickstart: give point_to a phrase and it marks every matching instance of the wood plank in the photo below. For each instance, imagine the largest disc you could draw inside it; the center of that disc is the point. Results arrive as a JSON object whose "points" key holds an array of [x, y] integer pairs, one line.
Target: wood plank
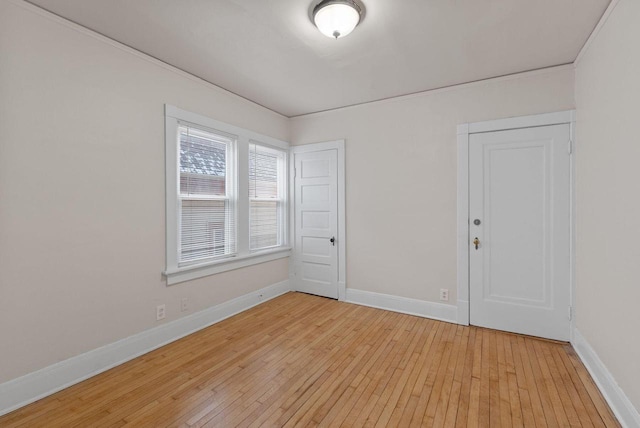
{"points": [[515, 401], [587, 383], [507, 419], [376, 379], [446, 399], [349, 382], [287, 364], [439, 387], [305, 360], [539, 382], [342, 413], [532, 411], [552, 387], [576, 399], [425, 384], [565, 396], [406, 365], [456, 386], [465, 392], [484, 415], [382, 395], [369, 400], [298, 388], [473, 419]]}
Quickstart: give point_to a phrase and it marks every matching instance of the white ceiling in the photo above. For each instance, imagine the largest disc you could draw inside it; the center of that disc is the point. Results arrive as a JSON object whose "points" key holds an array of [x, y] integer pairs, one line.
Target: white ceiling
{"points": [[269, 52]]}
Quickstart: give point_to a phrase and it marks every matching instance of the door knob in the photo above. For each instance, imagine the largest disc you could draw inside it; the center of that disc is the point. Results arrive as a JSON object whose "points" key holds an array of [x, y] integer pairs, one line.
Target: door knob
{"points": [[333, 241], [476, 242]]}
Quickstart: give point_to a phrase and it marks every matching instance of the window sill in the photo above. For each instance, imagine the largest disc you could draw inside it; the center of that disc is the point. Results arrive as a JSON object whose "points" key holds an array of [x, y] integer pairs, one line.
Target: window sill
{"points": [[188, 273]]}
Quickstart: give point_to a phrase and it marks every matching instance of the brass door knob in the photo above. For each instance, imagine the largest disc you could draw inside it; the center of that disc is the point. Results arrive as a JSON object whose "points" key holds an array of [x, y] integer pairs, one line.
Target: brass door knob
{"points": [[476, 242]]}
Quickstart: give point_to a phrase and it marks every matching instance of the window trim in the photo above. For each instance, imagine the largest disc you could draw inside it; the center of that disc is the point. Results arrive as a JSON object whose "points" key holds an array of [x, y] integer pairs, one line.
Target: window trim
{"points": [[243, 257]]}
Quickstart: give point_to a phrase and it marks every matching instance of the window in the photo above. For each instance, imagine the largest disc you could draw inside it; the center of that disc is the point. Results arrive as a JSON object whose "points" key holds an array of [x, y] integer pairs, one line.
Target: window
{"points": [[266, 197], [206, 195], [226, 196]]}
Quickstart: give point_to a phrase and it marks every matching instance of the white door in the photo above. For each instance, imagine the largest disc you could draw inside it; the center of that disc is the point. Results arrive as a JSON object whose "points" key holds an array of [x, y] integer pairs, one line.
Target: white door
{"points": [[519, 212], [316, 222]]}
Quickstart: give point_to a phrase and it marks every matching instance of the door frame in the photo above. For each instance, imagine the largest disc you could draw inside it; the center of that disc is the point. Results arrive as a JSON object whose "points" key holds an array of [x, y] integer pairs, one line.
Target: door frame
{"points": [[338, 145], [464, 132]]}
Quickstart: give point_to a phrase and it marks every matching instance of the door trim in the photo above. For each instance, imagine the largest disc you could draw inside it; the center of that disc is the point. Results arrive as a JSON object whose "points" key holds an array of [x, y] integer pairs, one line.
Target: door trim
{"points": [[338, 145], [464, 131]]}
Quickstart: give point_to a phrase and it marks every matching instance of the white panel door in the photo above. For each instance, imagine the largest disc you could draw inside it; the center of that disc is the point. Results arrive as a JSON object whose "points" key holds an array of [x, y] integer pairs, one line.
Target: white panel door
{"points": [[316, 222], [519, 212]]}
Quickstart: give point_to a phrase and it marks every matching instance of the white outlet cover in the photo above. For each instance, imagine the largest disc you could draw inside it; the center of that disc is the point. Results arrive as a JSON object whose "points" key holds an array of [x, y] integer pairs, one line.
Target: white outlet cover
{"points": [[160, 312]]}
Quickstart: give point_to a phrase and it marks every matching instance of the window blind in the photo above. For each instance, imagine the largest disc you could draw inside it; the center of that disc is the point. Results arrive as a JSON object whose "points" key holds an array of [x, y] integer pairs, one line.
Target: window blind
{"points": [[266, 197], [207, 205]]}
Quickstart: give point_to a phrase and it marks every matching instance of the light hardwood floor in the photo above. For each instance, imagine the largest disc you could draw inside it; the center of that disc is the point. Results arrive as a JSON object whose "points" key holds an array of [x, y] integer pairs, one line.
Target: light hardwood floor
{"points": [[302, 360]]}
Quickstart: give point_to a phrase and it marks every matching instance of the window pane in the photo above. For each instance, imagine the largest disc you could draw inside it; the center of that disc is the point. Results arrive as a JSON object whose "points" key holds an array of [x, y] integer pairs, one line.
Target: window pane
{"points": [[203, 162], [206, 229], [263, 172], [207, 217], [266, 185], [264, 225]]}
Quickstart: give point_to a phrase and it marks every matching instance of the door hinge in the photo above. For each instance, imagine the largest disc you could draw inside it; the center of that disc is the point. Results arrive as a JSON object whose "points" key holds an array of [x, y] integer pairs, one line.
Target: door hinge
{"points": [[570, 148], [570, 314], [295, 172]]}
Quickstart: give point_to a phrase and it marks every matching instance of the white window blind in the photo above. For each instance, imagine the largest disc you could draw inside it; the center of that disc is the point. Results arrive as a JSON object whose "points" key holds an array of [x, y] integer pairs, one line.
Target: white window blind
{"points": [[266, 197], [207, 217]]}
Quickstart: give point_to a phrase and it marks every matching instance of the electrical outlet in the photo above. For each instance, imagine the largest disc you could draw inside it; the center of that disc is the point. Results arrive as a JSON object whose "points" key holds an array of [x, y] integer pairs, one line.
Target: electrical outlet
{"points": [[160, 312], [184, 304], [444, 294]]}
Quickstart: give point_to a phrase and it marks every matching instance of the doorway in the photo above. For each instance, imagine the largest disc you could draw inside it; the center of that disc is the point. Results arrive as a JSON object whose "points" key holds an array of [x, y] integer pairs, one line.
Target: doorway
{"points": [[318, 228], [518, 240]]}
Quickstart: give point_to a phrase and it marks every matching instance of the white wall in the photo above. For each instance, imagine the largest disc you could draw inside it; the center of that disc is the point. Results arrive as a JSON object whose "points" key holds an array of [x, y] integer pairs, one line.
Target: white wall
{"points": [[82, 231], [608, 196], [401, 175]]}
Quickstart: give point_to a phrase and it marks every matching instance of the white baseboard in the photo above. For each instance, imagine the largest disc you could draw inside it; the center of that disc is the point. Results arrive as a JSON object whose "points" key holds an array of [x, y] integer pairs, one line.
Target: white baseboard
{"points": [[342, 291], [620, 404], [34, 386], [405, 305]]}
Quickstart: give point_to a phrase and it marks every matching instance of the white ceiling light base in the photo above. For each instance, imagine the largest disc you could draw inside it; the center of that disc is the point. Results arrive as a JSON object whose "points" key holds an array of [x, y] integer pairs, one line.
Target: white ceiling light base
{"points": [[337, 18]]}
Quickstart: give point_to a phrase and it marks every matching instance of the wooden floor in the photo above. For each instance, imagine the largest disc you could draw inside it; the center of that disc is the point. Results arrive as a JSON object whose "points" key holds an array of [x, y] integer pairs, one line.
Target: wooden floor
{"points": [[302, 360]]}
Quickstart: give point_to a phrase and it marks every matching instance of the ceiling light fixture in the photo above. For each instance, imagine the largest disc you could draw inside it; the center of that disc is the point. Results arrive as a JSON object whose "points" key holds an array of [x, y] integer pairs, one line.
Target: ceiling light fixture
{"points": [[337, 18]]}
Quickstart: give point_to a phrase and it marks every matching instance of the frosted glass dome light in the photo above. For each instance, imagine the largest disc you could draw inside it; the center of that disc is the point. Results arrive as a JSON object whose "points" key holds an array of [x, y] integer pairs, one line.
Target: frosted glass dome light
{"points": [[336, 18]]}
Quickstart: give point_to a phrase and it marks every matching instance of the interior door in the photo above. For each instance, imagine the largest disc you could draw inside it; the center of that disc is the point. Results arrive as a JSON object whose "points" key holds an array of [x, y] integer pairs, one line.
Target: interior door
{"points": [[316, 222], [519, 213]]}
